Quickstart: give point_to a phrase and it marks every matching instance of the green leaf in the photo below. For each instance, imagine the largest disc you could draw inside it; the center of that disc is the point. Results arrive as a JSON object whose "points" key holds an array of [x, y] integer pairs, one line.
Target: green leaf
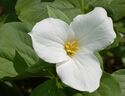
{"points": [[56, 13], [108, 87], [31, 11], [120, 76], [42, 68], [123, 61], [19, 63], [15, 50], [114, 7], [48, 88], [117, 8], [120, 26], [70, 7], [7, 68], [2, 20], [100, 60], [78, 94], [116, 41], [63, 4]]}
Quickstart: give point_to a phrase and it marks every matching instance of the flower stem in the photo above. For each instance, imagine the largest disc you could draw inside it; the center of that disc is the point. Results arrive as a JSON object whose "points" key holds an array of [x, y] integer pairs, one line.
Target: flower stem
{"points": [[82, 5]]}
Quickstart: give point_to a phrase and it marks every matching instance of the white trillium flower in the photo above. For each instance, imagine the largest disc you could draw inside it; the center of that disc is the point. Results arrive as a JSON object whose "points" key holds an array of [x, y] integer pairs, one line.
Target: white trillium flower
{"points": [[72, 47]]}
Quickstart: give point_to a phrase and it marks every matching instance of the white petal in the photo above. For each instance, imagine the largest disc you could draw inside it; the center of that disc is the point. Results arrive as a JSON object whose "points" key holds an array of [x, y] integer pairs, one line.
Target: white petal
{"points": [[51, 54], [82, 72], [48, 38], [94, 30]]}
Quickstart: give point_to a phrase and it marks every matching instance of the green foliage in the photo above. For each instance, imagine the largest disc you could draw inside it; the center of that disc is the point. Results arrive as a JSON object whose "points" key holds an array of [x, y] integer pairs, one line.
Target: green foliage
{"points": [[7, 68], [115, 7], [56, 13], [2, 20], [109, 87], [48, 88], [16, 53], [18, 59], [120, 26], [42, 68], [31, 11], [120, 76], [7, 9], [100, 60]]}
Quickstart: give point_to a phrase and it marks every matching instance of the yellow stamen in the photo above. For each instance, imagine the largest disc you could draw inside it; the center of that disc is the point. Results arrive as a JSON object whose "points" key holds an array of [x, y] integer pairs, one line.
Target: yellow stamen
{"points": [[71, 47]]}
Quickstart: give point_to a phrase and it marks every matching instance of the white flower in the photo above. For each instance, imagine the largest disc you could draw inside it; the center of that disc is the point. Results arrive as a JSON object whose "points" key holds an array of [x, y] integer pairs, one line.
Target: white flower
{"points": [[72, 47]]}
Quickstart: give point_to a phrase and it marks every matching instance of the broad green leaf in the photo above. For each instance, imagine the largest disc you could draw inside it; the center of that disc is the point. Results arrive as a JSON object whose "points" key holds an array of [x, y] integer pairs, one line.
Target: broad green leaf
{"points": [[19, 63], [80, 5], [120, 26], [14, 37], [78, 94], [100, 60], [75, 3], [61, 4], [15, 50], [48, 88], [7, 68], [70, 7], [42, 68], [115, 8], [116, 41], [108, 87], [31, 11], [123, 60], [2, 20], [120, 76], [56, 13], [72, 12]]}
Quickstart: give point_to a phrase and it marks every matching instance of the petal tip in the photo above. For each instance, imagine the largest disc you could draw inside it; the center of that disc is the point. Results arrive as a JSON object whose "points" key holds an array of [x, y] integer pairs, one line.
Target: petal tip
{"points": [[29, 33], [101, 11]]}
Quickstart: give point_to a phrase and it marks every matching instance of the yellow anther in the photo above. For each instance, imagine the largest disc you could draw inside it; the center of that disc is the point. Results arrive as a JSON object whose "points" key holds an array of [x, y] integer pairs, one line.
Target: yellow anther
{"points": [[67, 46], [77, 48], [68, 43], [71, 47], [73, 52], [69, 51]]}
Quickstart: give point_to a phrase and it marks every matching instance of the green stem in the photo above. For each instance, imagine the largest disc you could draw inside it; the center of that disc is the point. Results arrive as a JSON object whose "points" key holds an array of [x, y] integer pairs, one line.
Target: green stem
{"points": [[59, 85], [82, 5], [53, 76]]}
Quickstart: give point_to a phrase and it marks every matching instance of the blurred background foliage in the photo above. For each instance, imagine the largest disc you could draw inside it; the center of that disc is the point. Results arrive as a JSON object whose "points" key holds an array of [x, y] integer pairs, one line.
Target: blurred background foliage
{"points": [[22, 73]]}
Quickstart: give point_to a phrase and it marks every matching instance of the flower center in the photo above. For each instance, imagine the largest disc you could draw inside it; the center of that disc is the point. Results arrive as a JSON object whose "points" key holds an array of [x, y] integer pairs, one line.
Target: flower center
{"points": [[71, 47]]}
